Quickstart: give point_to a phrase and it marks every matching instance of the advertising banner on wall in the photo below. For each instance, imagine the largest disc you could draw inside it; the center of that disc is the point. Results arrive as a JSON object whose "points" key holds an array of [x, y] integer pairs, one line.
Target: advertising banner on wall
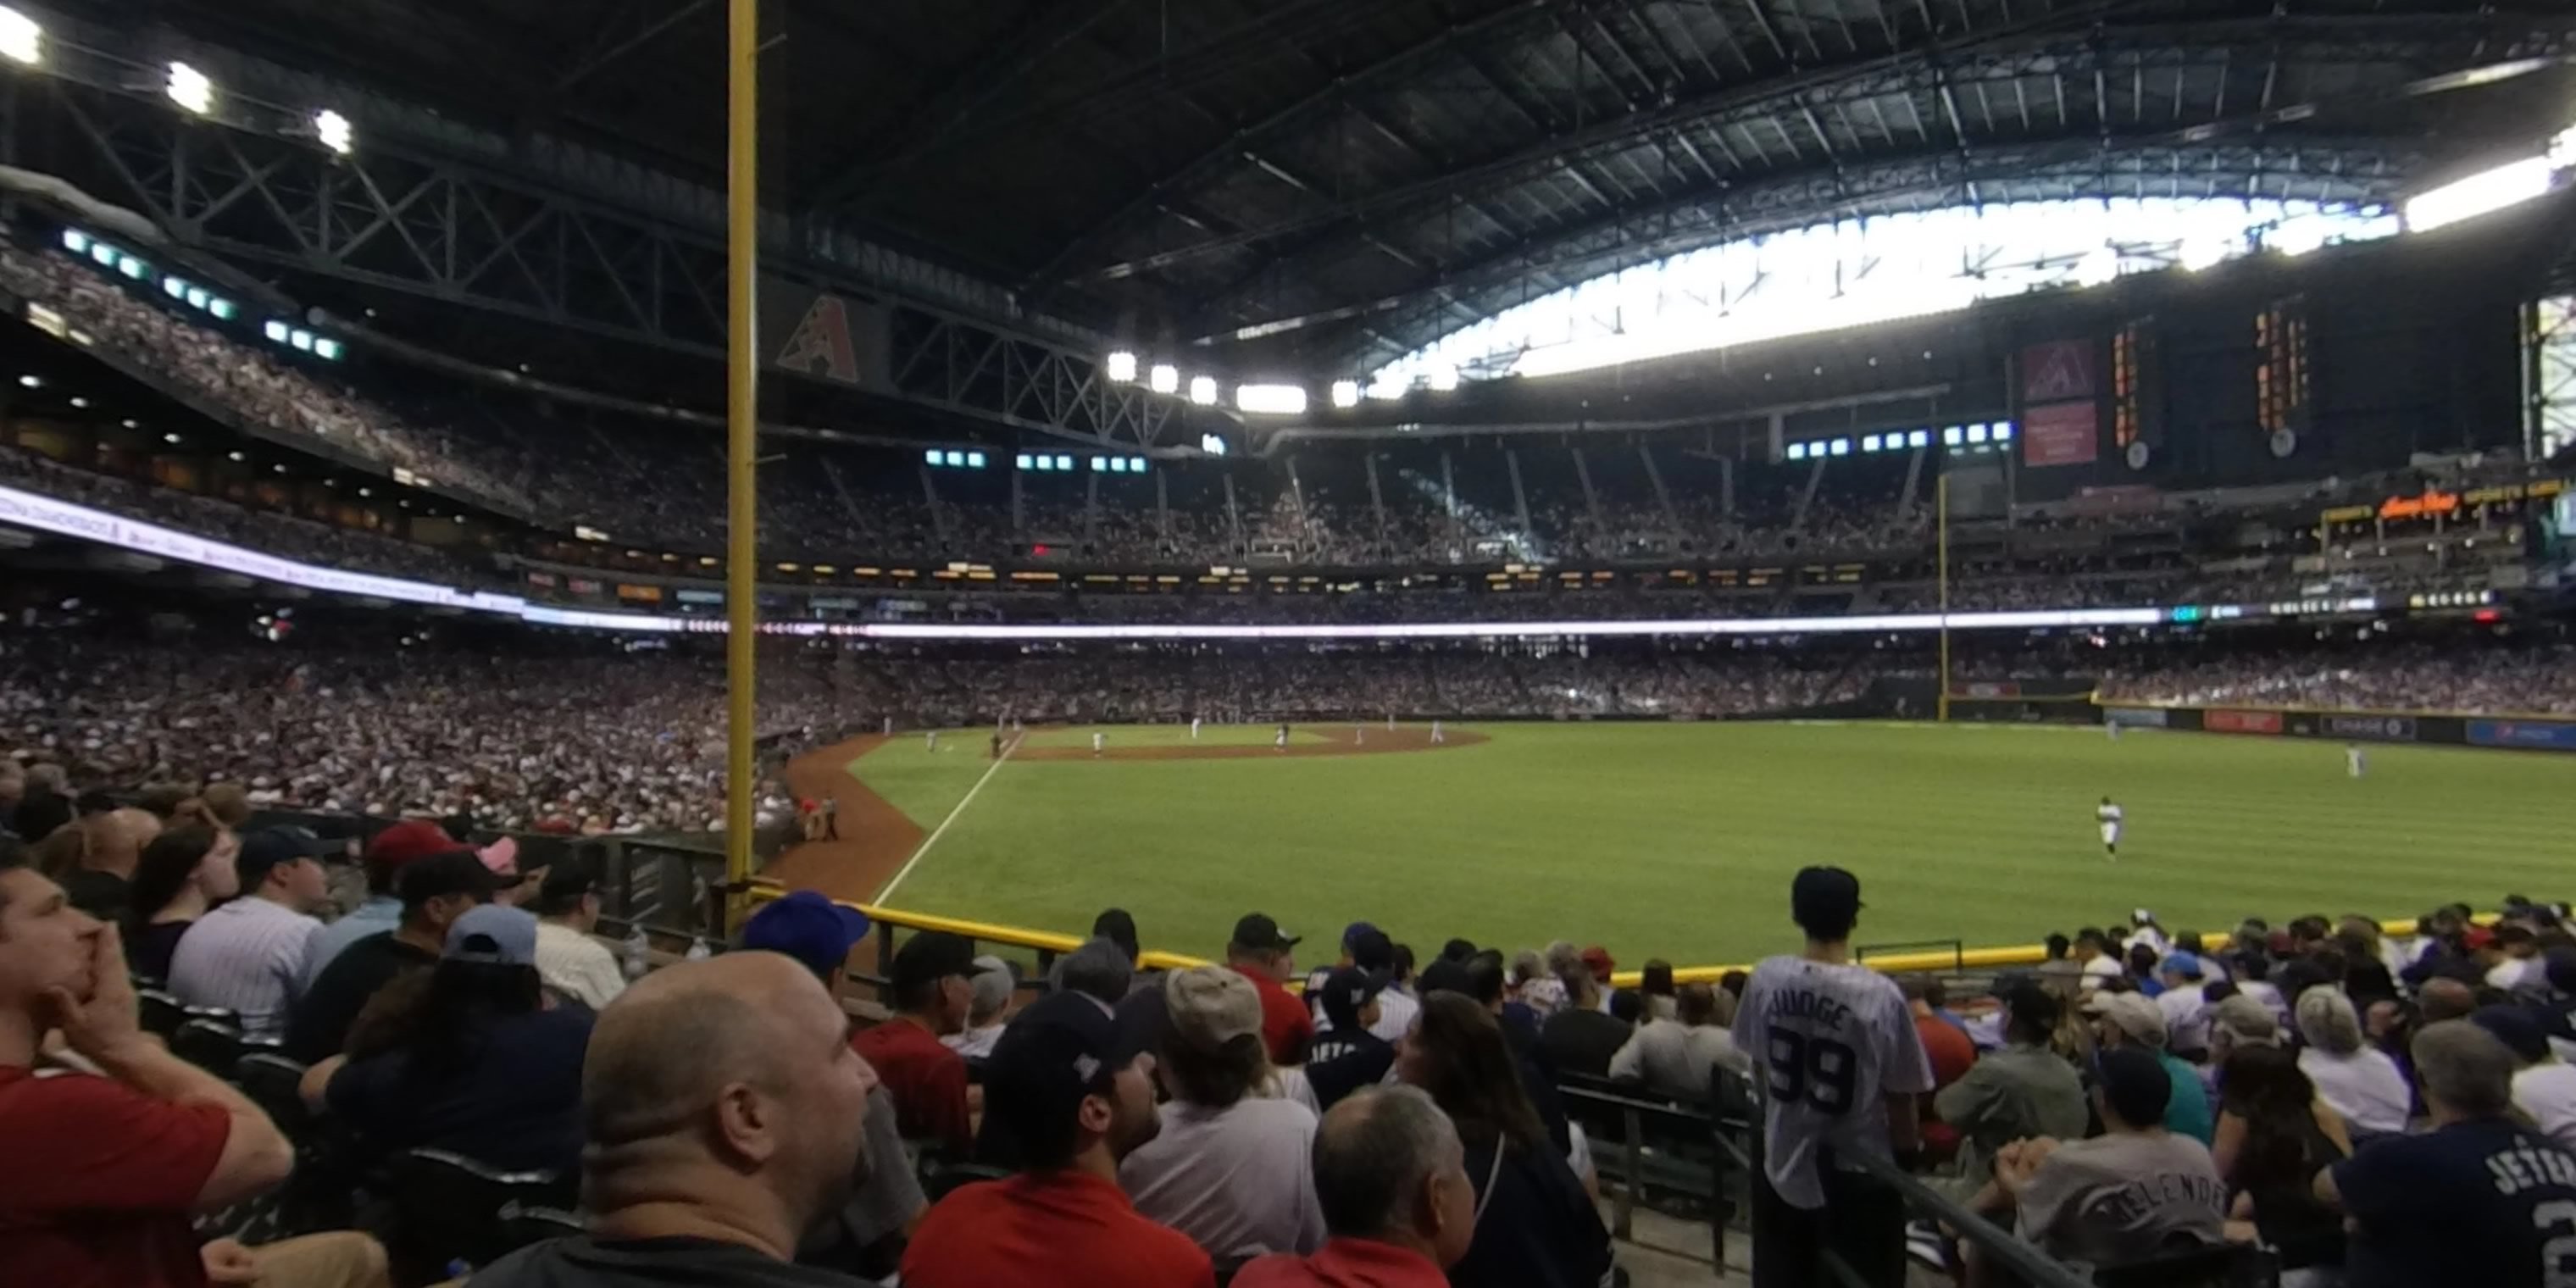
{"points": [[2370, 728], [2241, 721], [2550, 735], [2137, 717]]}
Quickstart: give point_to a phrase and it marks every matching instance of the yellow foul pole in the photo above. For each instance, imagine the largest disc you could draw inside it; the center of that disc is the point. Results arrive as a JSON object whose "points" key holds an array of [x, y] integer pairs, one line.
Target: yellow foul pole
{"points": [[1941, 526], [742, 417]]}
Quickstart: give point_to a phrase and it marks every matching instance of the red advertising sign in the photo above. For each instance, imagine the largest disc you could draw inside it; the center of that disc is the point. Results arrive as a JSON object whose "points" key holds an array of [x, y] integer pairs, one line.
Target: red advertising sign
{"points": [[2060, 434], [2241, 721], [2056, 371]]}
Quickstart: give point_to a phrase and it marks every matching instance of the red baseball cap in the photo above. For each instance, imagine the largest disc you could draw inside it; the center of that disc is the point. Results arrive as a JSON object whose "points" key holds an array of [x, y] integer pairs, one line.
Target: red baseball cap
{"points": [[412, 838], [1598, 958]]}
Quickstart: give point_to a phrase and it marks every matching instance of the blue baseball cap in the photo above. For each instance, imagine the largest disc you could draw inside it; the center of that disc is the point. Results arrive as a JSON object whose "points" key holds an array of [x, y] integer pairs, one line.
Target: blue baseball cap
{"points": [[808, 927], [1351, 933], [2181, 963]]}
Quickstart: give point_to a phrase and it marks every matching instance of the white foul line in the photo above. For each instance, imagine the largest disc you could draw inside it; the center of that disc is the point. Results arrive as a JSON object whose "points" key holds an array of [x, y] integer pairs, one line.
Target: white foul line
{"points": [[933, 839]]}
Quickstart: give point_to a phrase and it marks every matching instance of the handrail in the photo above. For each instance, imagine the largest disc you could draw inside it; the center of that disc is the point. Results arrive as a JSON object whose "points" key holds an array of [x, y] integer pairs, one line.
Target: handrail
{"points": [[763, 890], [2035, 1268]]}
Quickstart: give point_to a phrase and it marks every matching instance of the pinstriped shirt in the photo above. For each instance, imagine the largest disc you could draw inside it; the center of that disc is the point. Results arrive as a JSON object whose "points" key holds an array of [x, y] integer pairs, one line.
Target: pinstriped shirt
{"points": [[247, 956]]}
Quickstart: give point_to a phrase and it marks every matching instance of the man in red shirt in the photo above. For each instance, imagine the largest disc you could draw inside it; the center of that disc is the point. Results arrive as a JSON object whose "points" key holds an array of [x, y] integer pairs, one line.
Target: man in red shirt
{"points": [[1951, 1055], [1392, 1179], [1262, 953], [1074, 1104], [106, 1171], [932, 994]]}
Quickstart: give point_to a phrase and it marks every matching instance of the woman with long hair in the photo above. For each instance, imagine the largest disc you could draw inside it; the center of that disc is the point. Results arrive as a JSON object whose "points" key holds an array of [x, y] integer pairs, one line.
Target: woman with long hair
{"points": [[1534, 1225], [2274, 1136], [470, 1055], [182, 874]]}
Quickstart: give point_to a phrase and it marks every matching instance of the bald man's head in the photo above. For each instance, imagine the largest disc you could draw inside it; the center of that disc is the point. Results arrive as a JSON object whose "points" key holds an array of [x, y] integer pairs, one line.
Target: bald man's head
{"points": [[732, 1071], [2443, 998]]}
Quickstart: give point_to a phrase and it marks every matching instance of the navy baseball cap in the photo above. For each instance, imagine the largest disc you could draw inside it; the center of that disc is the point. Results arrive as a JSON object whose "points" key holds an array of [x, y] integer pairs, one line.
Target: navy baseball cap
{"points": [[808, 927], [1824, 894], [1346, 992], [269, 847], [1352, 932]]}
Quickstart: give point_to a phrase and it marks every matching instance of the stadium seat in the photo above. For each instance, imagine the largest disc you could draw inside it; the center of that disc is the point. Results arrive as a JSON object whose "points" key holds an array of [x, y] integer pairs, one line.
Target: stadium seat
{"points": [[2223, 1266], [449, 1208], [213, 1045], [526, 1223], [937, 1182], [162, 1013]]}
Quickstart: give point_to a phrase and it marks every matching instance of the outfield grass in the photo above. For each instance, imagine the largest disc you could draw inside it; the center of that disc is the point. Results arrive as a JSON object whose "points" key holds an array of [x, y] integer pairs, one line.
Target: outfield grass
{"points": [[1678, 840], [1215, 735]]}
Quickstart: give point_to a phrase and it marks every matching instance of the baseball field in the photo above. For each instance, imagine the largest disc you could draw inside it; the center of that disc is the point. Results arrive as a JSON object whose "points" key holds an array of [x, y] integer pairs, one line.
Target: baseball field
{"points": [[1673, 840]]}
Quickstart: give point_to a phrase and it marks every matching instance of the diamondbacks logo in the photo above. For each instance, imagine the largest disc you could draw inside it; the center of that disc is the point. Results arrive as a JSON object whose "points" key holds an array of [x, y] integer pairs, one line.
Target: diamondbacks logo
{"points": [[822, 340]]}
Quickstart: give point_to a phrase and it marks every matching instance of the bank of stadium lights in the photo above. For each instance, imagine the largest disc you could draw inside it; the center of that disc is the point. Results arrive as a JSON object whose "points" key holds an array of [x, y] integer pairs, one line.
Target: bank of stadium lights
{"points": [[1267, 400], [1955, 437], [1118, 465], [952, 459], [1046, 464], [1164, 378], [22, 39], [1122, 367], [190, 88], [1203, 390], [1346, 393], [301, 340], [334, 131], [2480, 193]]}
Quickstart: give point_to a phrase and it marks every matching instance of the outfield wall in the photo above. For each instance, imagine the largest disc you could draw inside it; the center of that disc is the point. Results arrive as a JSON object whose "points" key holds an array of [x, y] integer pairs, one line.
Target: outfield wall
{"points": [[2521, 733]]}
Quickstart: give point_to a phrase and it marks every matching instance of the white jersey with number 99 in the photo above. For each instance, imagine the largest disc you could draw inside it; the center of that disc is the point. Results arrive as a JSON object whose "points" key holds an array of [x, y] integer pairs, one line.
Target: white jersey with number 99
{"points": [[1828, 1043]]}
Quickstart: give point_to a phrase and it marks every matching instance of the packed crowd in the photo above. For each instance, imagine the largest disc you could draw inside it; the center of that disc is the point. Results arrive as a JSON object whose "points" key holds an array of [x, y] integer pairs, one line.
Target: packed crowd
{"points": [[252, 384], [2366, 1108], [2540, 680]]}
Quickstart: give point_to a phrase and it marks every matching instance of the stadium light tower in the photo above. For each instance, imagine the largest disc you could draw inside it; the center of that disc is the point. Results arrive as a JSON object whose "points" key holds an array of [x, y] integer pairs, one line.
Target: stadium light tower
{"points": [[1122, 367], [334, 131], [22, 39], [189, 88]]}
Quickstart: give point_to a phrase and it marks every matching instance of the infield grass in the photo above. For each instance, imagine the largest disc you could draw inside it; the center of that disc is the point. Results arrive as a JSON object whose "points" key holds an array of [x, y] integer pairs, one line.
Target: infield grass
{"points": [[1678, 841]]}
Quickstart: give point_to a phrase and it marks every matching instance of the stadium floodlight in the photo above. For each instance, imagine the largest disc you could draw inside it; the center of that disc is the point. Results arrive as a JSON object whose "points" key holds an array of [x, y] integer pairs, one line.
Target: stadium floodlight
{"points": [[1869, 442], [274, 330], [1099, 463], [2478, 194], [333, 129], [1203, 390], [222, 308], [197, 297], [31, 382], [1919, 438], [80, 402], [974, 460], [1166, 379], [301, 339], [2099, 265], [132, 267], [1270, 400], [1064, 463], [2197, 253], [1346, 393], [1136, 463], [1442, 379], [1797, 451], [930, 457], [1976, 433], [1122, 367], [2003, 431], [174, 288], [1950, 437], [325, 347], [75, 241], [1024, 460], [189, 88], [22, 40], [102, 254]]}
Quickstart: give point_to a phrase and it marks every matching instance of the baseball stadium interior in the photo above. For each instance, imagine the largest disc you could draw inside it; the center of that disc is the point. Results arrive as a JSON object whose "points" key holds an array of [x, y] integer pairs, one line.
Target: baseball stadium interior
{"points": [[1552, 643]]}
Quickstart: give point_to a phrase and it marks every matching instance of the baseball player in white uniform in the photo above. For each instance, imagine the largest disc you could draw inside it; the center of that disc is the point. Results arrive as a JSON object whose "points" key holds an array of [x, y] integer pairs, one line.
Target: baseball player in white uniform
{"points": [[1838, 1067], [1437, 737], [1280, 743], [2109, 816], [1194, 728], [2354, 763], [1097, 738], [930, 739]]}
